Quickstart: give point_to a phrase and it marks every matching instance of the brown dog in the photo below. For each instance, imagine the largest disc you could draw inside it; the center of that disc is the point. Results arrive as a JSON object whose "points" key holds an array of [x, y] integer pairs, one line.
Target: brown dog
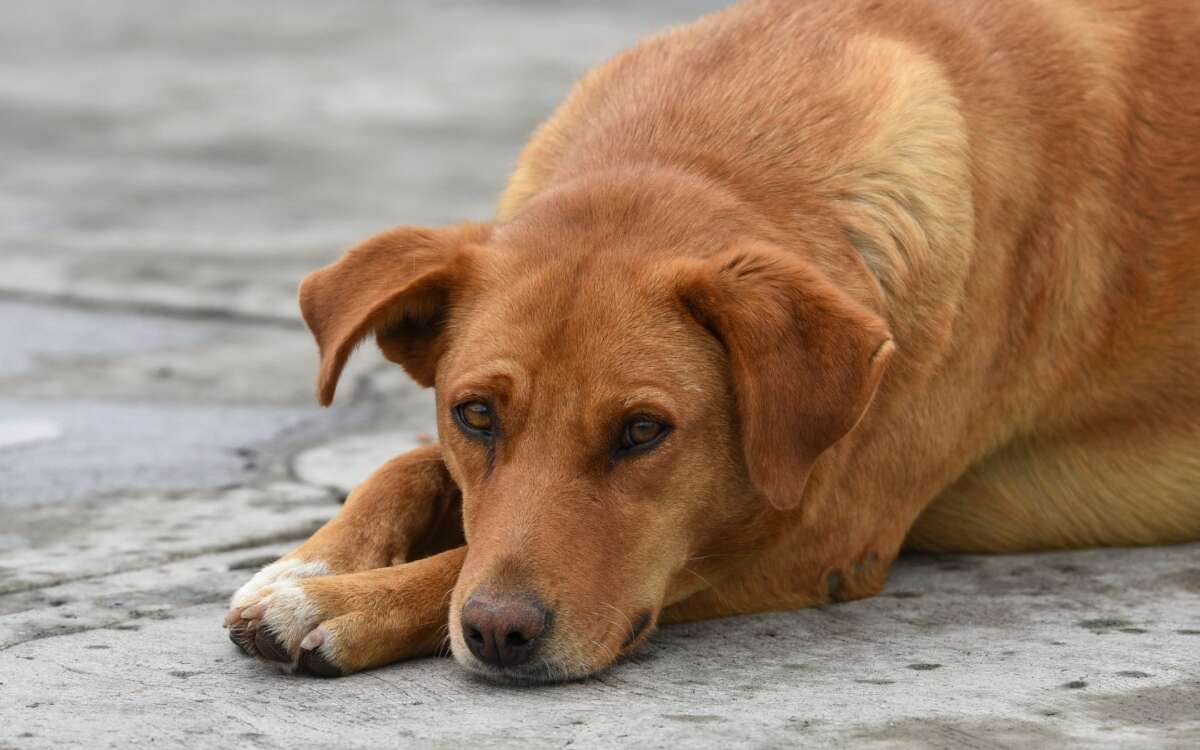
{"points": [[769, 297]]}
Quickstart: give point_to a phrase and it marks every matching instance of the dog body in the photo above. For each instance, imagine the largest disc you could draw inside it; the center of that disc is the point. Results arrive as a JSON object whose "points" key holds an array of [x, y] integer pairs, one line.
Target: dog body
{"points": [[769, 297]]}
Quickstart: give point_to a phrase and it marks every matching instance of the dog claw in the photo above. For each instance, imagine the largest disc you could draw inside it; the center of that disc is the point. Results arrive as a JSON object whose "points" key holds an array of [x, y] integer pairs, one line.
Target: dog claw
{"points": [[312, 640], [254, 611], [314, 662], [243, 638], [269, 646]]}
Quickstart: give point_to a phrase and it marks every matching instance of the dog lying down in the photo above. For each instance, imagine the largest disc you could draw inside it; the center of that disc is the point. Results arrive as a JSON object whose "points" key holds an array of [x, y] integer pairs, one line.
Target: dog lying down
{"points": [[767, 299]]}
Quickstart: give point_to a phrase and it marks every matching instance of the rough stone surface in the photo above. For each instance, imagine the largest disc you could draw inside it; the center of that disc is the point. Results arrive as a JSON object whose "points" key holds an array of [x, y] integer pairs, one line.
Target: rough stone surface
{"points": [[1095, 649], [169, 171], [344, 463], [204, 157]]}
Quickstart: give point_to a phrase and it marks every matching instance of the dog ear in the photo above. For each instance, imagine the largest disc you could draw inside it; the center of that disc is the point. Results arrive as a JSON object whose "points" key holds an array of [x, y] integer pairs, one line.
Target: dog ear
{"points": [[396, 285], [805, 358]]}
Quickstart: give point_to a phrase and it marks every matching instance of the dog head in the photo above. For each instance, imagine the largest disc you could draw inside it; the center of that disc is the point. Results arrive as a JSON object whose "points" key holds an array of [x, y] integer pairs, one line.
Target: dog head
{"points": [[622, 388]]}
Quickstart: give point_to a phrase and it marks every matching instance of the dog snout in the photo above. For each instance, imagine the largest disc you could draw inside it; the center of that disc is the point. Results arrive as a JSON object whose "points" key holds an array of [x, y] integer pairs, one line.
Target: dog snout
{"points": [[503, 629]]}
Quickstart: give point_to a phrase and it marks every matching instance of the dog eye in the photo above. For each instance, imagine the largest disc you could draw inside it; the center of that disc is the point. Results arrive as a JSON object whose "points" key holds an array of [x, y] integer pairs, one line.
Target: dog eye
{"points": [[475, 416], [641, 433]]}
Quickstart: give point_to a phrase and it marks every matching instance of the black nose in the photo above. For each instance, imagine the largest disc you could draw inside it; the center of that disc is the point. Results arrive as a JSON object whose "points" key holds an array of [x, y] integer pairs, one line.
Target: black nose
{"points": [[503, 629]]}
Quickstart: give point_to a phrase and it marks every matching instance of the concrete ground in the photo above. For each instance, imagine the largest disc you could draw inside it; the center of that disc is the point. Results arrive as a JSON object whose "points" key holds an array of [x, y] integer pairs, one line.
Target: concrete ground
{"points": [[168, 171]]}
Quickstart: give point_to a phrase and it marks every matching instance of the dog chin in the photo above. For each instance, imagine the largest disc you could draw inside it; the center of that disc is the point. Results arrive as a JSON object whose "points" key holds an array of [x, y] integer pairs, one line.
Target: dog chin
{"points": [[540, 672]]}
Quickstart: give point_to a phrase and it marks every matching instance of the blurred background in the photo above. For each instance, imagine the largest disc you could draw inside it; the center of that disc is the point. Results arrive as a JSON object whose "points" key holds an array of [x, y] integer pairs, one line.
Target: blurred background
{"points": [[168, 173]]}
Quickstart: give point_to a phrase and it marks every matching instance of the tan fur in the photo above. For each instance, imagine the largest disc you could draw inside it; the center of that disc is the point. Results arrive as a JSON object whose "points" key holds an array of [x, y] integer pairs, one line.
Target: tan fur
{"points": [[915, 274]]}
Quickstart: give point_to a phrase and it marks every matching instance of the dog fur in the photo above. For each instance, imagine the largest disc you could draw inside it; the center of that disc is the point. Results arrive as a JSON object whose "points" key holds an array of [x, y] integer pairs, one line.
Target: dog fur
{"points": [[916, 274]]}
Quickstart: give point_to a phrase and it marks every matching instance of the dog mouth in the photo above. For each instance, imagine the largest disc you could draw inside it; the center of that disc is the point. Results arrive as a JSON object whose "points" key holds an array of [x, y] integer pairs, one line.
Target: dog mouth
{"points": [[539, 673], [551, 665], [640, 627]]}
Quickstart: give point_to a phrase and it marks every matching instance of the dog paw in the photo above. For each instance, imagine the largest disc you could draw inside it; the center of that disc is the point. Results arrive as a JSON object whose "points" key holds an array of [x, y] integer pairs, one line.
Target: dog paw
{"points": [[288, 569], [284, 624]]}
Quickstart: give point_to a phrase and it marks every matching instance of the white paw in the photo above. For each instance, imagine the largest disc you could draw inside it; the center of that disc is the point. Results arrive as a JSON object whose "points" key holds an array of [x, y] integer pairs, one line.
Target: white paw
{"points": [[285, 626], [288, 616], [289, 569]]}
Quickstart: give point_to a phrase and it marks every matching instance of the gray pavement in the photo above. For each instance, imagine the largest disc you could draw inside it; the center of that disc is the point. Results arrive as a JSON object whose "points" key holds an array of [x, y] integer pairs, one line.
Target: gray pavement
{"points": [[168, 172]]}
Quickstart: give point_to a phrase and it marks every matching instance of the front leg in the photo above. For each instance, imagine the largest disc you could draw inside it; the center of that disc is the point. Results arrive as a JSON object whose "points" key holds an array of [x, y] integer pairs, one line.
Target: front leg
{"points": [[334, 625], [808, 568], [407, 509]]}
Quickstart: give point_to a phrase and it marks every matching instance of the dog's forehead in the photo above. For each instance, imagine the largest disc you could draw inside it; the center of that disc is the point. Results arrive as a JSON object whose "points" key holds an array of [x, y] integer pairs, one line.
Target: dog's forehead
{"points": [[584, 324], [572, 297]]}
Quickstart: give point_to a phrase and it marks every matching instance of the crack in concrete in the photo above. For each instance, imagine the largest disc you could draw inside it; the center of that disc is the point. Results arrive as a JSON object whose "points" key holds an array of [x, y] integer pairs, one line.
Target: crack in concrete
{"points": [[59, 631], [290, 535], [64, 631], [184, 312]]}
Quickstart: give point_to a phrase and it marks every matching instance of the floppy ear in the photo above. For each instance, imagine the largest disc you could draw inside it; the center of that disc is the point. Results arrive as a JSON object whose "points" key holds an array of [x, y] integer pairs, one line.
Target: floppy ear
{"points": [[805, 358], [396, 285]]}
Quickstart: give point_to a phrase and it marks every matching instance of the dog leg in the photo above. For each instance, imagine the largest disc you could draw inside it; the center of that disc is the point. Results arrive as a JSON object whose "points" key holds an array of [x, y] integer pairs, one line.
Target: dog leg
{"points": [[337, 624], [1096, 488], [742, 594], [408, 509], [834, 564]]}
